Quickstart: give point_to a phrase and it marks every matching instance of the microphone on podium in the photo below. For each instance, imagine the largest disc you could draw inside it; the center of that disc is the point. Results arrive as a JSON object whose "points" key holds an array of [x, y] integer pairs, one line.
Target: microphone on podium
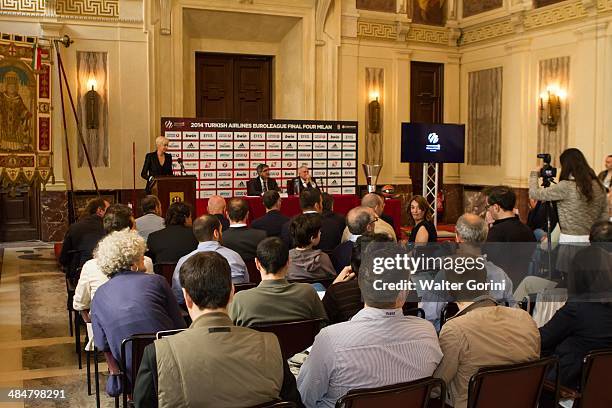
{"points": [[180, 161]]}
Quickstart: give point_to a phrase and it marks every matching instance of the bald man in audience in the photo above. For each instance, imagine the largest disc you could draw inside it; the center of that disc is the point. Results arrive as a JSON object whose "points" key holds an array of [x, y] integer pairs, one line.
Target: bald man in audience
{"points": [[216, 207], [359, 220], [376, 203], [379, 346], [483, 333]]}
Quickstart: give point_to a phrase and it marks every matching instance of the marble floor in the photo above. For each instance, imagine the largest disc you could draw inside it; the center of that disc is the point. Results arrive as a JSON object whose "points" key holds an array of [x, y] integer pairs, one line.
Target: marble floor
{"points": [[36, 350]]}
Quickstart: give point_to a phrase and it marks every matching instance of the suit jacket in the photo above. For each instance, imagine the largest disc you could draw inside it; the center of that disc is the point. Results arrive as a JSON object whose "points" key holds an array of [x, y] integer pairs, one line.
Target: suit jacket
{"points": [[254, 186], [332, 226], [82, 236], [576, 329], [152, 168], [297, 186], [223, 220], [272, 222], [251, 368], [243, 240], [341, 255], [171, 243]]}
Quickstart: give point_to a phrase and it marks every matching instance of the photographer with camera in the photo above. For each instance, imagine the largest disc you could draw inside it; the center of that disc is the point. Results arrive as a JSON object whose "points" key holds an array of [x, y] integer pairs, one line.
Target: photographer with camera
{"points": [[580, 196]]}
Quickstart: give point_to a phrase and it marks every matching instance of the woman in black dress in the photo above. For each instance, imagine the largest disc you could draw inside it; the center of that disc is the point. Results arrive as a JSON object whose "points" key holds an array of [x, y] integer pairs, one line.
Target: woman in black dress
{"points": [[420, 212], [157, 163]]}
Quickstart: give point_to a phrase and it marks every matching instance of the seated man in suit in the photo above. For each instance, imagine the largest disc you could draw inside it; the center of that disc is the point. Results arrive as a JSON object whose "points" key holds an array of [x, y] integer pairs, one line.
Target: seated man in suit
{"points": [[207, 230], [83, 236], [262, 183], [379, 346], [275, 299], [311, 202], [334, 223], [359, 220], [247, 365], [238, 237], [216, 207], [481, 334], [304, 180], [177, 239], [272, 222]]}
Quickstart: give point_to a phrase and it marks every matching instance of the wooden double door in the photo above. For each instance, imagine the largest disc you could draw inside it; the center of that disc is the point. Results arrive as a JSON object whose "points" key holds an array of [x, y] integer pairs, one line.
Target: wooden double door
{"points": [[20, 213], [233, 87]]}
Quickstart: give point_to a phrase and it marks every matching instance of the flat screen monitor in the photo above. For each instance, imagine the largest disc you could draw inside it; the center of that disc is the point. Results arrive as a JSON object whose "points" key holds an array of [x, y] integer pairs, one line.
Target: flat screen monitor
{"points": [[432, 143]]}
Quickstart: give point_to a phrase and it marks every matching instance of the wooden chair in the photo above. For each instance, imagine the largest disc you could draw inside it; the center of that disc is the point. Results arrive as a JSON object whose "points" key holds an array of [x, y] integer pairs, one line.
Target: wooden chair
{"points": [[165, 269], [509, 386], [254, 275], [276, 404], [592, 392], [414, 394], [293, 337], [138, 342], [244, 286]]}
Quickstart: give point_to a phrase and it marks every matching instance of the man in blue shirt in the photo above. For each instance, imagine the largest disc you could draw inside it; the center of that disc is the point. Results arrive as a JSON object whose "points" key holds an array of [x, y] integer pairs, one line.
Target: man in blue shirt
{"points": [[207, 230]]}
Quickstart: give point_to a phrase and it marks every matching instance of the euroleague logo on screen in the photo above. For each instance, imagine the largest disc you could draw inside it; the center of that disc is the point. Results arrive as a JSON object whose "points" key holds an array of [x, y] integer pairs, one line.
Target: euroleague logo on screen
{"points": [[434, 146]]}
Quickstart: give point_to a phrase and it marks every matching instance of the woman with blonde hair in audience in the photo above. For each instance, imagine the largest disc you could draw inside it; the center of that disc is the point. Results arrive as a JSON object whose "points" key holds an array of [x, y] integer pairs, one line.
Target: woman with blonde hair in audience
{"points": [[131, 301]]}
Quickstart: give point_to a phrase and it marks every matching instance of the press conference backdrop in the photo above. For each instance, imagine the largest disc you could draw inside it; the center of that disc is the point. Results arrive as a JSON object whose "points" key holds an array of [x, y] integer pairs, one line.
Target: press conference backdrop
{"points": [[432, 143], [223, 155]]}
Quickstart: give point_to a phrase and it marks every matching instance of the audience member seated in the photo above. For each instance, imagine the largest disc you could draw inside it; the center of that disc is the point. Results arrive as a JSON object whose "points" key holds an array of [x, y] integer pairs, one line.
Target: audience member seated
{"points": [[507, 226], [131, 301], [207, 230], [238, 237], [311, 202], [359, 220], [421, 214], [536, 218], [379, 346], [272, 222], [334, 225], [151, 219], [83, 236], [177, 239], [213, 363], [305, 262], [216, 207], [481, 334], [118, 217], [384, 216], [471, 233], [342, 299], [377, 203], [275, 299], [584, 324]]}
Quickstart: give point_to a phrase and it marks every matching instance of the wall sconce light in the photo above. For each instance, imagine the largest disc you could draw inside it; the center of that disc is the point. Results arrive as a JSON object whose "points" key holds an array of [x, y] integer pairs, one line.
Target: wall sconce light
{"points": [[550, 107], [92, 103], [374, 113]]}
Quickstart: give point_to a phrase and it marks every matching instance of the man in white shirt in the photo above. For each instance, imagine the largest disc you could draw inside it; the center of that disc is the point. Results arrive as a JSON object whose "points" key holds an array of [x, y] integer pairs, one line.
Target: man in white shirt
{"points": [[117, 218], [379, 346]]}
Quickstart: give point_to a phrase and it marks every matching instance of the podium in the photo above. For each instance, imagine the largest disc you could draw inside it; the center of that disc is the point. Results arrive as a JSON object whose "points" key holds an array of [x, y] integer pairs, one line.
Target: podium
{"points": [[170, 189]]}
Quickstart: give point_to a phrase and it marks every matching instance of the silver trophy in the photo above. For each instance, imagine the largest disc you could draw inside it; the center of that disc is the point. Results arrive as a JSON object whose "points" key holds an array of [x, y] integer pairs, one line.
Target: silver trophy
{"points": [[371, 172]]}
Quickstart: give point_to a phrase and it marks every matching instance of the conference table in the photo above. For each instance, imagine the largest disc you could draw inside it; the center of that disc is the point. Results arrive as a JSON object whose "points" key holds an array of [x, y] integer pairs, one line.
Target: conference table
{"points": [[290, 206]]}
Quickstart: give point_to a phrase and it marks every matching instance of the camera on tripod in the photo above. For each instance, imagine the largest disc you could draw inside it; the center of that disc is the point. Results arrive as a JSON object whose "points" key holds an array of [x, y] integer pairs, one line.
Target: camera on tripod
{"points": [[547, 172]]}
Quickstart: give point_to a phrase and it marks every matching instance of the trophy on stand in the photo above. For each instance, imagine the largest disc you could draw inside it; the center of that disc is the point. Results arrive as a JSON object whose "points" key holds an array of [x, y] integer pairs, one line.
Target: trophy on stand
{"points": [[371, 172]]}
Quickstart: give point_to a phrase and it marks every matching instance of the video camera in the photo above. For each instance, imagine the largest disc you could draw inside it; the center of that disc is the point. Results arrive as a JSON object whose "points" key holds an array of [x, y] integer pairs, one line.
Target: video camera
{"points": [[547, 172]]}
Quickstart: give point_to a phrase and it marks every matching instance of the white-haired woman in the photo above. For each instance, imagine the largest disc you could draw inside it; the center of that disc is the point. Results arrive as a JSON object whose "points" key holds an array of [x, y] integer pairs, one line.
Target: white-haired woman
{"points": [[131, 301], [157, 163]]}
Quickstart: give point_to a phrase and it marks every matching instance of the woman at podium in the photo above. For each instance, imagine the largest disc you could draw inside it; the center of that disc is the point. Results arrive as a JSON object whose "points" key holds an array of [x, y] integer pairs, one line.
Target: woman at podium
{"points": [[157, 163]]}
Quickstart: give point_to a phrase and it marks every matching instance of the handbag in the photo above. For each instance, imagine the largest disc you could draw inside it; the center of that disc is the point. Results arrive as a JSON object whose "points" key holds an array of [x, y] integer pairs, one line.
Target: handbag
{"points": [[114, 385]]}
